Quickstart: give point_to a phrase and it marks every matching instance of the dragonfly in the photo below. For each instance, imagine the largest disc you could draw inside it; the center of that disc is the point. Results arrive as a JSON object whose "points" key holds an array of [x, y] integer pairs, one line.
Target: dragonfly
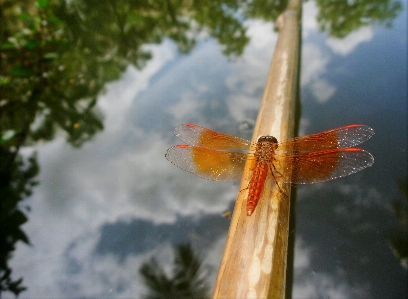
{"points": [[301, 160]]}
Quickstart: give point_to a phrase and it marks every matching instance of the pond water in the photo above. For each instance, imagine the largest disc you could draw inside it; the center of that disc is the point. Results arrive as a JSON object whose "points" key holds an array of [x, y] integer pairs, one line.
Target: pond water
{"points": [[107, 200]]}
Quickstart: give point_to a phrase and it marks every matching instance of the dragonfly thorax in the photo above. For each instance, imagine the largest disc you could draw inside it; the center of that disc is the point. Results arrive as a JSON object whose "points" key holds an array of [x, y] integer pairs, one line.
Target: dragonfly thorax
{"points": [[265, 148]]}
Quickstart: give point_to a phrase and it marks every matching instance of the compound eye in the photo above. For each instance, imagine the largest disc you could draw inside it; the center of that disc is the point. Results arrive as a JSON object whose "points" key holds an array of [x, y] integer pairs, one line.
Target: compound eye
{"points": [[270, 139]]}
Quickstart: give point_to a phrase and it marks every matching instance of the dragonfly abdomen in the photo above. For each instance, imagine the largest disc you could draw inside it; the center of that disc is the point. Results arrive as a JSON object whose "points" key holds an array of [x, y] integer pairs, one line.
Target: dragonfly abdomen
{"points": [[256, 186]]}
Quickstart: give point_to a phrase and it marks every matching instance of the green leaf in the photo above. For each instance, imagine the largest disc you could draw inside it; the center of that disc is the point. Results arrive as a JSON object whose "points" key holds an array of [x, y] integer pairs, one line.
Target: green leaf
{"points": [[6, 136], [42, 3], [4, 80], [51, 55], [32, 44], [20, 71], [7, 46]]}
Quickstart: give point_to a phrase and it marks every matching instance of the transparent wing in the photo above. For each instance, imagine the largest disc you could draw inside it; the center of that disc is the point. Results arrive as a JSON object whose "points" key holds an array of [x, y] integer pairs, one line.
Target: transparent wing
{"points": [[202, 137], [308, 168], [310, 159], [208, 163], [342, 137]]}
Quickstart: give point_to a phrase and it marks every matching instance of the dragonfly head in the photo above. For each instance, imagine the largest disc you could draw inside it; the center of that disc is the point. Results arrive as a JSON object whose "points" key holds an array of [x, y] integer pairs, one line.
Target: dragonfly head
{"points": [[270, 139]]}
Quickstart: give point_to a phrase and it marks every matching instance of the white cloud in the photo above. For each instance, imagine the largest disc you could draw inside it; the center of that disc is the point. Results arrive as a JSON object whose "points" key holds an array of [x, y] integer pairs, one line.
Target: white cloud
{"points": [[314, 69], [309, 283], [118, 99], [248, 75], [262, 36], [309, 22], [304, 124], [348, 44], [185, 107], [323, 90]]}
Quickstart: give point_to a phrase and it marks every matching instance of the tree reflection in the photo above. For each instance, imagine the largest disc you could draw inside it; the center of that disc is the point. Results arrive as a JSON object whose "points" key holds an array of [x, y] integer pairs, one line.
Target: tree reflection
{"points": [[398, 239], [16, 182], [120, 29], [57, 56], [339, 18], [40, 93], [186, 281]]}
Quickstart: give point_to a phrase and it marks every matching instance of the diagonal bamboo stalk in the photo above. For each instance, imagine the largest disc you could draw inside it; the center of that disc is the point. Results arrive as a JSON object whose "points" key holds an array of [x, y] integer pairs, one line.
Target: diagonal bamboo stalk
{"points": [[254, 260]]}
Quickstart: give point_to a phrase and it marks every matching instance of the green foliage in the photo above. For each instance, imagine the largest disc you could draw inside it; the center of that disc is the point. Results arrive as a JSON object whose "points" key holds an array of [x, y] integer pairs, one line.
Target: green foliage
{"points": [[339, 18]]}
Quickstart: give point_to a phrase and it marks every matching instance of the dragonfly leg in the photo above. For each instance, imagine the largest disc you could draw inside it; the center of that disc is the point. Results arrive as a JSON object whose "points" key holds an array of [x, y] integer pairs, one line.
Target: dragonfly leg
{"points": [[246, 188], [275, 180]]}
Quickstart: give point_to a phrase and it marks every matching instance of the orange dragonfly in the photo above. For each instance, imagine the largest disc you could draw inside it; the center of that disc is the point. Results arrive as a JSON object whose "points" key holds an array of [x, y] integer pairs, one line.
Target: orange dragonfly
{"points": [[308, 159]]}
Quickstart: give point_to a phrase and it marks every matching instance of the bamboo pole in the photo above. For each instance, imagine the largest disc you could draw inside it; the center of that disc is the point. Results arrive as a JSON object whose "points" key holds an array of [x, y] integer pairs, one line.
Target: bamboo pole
{"points": [[254, 260]]}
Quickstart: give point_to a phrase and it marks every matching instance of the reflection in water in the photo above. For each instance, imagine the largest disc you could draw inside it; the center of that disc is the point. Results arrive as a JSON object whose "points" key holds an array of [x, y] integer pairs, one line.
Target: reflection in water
{"points": [[398, 239], [56, 57], [54, 64], [186, 281], [16, 182], [340, 18]]}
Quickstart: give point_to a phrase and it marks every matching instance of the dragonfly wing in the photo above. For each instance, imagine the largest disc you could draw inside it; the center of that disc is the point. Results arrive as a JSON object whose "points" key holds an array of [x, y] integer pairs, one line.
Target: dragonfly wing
{"points": [[202, 137], [315, 167], [342, 137], [208, 163]]}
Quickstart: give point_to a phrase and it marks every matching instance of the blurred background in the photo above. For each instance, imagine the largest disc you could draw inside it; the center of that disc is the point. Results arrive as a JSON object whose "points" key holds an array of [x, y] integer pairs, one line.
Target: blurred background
{"points": [[90, 92]]}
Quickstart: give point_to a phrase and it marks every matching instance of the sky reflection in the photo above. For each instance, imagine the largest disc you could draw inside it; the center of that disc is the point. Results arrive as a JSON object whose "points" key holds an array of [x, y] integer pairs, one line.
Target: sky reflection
{"points": [[116, 201]]}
